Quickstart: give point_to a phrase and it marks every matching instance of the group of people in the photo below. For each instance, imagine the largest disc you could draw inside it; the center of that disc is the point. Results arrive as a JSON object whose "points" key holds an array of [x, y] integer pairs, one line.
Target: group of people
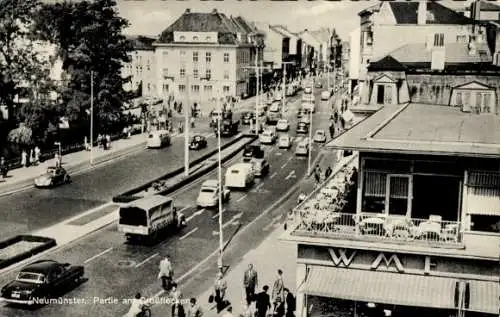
{"points": [[318, 172], [104, 141], [32, 159]]}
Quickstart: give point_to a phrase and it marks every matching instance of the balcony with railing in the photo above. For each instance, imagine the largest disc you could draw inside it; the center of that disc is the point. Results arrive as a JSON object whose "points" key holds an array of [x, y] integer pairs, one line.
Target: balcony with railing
{"points": [[330, 212]]}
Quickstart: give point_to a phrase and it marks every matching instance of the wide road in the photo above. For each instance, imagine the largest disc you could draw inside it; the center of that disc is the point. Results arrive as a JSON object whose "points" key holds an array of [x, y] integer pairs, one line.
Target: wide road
{"points": [[121, 269]]}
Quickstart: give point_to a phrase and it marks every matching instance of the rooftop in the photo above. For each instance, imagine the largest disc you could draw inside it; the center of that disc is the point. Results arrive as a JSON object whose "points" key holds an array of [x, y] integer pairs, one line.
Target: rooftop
{"points": [[140, 42], [424, 129], [485, 6]]}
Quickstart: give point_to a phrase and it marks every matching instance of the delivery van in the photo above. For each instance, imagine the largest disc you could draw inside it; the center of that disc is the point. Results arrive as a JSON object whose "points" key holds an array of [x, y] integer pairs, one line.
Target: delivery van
{"points": [[158, 139], [240, 175]]}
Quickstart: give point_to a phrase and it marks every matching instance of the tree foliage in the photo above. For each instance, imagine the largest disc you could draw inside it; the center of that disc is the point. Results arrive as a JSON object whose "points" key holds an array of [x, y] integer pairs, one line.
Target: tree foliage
{"points": [[21, 65], [90, 39]]}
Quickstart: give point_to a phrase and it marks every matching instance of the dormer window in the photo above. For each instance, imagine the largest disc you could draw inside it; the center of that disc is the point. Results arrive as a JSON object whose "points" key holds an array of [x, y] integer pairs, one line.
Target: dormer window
{"points": [[195, 38], [182, 38]]}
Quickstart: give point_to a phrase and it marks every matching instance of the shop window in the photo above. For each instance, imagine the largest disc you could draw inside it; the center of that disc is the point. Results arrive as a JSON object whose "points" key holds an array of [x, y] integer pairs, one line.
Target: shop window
{"points": [[485, 223]]}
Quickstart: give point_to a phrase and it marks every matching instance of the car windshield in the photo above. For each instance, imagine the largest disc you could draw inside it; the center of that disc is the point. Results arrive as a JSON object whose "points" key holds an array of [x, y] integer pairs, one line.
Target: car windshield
{"points": [[274, 108], [320, 132], [266, 133], [30, 277], [284, 138]]}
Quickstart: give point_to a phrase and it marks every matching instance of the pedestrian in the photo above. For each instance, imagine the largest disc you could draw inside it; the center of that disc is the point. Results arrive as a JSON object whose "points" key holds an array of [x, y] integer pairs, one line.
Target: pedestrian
{"points": [[175, 293], [279, 309], [37, 155], [288, 219], [328, 172], [331, 128], [129, 131], [194, 309], [166, 273], [108, 141], [31, 158], [250, 282], [220, 288], [288, 303], [192, 122], [99, 140], [263, 303], [24, 158], [278, 286], [317, 174], [180, 127], [57, 159], [178, 310], [3, 167]]}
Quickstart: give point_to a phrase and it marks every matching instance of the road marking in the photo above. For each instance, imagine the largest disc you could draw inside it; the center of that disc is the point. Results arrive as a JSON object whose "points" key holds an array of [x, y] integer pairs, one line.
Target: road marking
{"points": [[259, 186], [287, 161], [217, 214], [97, 255], [241, 198], [146, 260], [274, 174], [187, 234], [197, 213], [291, 175], [234, 221]]}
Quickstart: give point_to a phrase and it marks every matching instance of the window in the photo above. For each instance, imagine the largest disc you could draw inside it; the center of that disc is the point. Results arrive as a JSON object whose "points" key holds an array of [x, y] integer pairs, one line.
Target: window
{"points": [[165, 87], [195, 57], [182, 38], [182, 53], [483, 195], [207, 88], [182, 88], [486, 102], [459, 101], [208, 57], [439, 39], [461, 38], [478, 100], [165, 73], [208, 73], [195, 73], [195, 88], [226, 57], [226, 74], [165, 55], [182, 72], [195, 38], [466, 98], [225, 89]]}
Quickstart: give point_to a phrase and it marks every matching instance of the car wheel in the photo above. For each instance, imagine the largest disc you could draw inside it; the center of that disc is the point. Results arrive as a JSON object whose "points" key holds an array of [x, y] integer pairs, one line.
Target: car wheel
{"points": [[67, 179]]}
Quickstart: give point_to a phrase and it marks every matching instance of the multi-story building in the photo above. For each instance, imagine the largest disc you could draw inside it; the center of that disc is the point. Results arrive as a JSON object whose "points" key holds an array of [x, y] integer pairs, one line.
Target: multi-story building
{"points": [[389, 25], [277, 44], [207, 53], [294, 54], [354, 58], [312, 49], [141, 70]]}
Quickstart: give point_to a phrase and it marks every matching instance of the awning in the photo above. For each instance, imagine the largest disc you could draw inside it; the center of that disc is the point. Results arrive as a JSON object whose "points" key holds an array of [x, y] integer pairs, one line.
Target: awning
{"points": [[484, 297], [381, 287]]}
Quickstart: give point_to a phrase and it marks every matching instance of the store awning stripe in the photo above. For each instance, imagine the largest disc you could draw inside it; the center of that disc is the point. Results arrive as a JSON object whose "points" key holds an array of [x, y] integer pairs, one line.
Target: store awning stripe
{"points": [[381, 287], [484, 297]]}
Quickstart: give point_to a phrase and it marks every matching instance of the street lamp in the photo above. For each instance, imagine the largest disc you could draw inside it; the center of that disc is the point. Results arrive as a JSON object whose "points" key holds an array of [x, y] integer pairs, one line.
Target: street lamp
{"points": [[221, 237], [91, 117], [257, 67], [310, 136], [284, 85]]}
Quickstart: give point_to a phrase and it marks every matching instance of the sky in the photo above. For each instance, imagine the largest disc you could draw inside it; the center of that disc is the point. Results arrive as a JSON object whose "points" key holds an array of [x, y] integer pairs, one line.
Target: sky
{"points": [[151, 17]]}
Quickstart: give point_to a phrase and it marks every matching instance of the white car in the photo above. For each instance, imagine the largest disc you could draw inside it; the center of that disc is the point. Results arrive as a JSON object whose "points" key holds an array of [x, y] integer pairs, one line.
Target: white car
{"points": [[302, 148], [275, 107], [284, 142], [267, 137], [282, 125], [308, 90], [209, 194], [306, 118], [308, 106], [320, 136], [325, 95], [277, 96]]}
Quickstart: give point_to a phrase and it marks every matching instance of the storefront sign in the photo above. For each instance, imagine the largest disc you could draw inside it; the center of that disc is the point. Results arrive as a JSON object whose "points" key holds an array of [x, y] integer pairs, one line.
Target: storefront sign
{"points": [[393, 259], [342, 256]]}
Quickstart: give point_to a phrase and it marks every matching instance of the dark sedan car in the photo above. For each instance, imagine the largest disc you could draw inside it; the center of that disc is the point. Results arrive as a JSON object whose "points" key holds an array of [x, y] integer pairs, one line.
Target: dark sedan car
{"points": [[39, 281], [53, 176], [198, 142], [302, 127]]}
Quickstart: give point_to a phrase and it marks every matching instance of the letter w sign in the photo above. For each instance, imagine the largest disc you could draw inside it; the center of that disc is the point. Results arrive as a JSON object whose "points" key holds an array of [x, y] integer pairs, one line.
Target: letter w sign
{"points": [[341, 257]]}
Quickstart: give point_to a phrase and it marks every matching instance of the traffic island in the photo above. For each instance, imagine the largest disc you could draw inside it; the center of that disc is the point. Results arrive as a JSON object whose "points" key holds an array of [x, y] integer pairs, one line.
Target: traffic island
{"points": [[22, 247], [175, 180]]}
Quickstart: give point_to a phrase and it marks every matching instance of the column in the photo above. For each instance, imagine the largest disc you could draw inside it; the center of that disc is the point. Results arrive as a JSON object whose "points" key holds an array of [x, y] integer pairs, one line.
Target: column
{"points": [[301, 309]]}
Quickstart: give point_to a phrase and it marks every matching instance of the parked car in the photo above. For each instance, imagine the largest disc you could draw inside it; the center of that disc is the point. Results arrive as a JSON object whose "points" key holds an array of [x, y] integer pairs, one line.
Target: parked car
{"points": [[284, 142], [320, 136], [209, 194], [248, 117], [278, 96], [198, 142], [302, 127], [53, 176], [325, 95], [308, 90], [302, 148], [42, 279], [267, 137], [282, 125]]}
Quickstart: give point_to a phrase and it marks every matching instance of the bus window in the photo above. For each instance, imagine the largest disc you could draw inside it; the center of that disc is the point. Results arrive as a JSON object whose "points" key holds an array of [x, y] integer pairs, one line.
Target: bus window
{"points": [[133, 216]]}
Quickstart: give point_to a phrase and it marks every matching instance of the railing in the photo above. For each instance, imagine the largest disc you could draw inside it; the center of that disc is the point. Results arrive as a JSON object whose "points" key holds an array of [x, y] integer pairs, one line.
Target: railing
{"points": [[329, 212]]}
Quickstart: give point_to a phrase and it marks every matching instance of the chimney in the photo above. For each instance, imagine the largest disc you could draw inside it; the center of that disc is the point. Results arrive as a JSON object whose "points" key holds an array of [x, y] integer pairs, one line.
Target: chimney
{"points": [[438, 57], [187, 10], [214, 11], [422, 12]]}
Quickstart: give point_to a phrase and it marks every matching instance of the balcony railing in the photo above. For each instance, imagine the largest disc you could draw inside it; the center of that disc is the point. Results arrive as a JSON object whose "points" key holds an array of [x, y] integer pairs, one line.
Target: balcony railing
{"points": [[329, 212]]}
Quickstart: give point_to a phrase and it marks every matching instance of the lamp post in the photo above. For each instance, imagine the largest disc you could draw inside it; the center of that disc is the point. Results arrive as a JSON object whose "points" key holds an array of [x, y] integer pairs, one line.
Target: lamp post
{"points": [[284, 85], [257, 67], [91, 117], [310, 137], [221, 237], [186, 130]]}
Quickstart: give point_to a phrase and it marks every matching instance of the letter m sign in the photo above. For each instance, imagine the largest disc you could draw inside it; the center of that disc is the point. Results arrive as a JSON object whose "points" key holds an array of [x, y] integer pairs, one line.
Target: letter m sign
{"points": [[342, 257], [388, 262]]}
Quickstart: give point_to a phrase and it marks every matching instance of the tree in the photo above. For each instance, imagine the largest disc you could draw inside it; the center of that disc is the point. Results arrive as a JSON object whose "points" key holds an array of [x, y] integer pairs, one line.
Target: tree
{"points": [[89, 34], [20, 63]]}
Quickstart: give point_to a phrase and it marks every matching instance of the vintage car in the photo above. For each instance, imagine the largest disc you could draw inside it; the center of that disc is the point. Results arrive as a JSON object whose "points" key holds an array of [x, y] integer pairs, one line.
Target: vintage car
{"points": [[248, 117], [306, 118], [267, 137], [318, 85], [284, 142], [301, 113], [209, 194], [320, 136], [282, 125], [198, 142], [302, 148], [325, 95], [253, 151], [53, 176], [42, 280], [302, 127], [261, 127], [260, 165]]}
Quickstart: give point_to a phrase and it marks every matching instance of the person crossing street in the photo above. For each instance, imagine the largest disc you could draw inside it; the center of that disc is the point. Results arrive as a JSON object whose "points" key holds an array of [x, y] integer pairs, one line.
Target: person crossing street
{"points": [[166, 273]]}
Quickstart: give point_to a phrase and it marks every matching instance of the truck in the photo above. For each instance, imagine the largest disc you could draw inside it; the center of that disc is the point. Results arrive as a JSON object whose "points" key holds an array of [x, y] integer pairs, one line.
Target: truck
{"points": [[228, 125]]}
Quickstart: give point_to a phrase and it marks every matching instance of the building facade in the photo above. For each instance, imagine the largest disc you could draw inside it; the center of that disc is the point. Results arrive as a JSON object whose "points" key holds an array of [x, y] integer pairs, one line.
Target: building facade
{"points": [[206, 55], [141, 70]]}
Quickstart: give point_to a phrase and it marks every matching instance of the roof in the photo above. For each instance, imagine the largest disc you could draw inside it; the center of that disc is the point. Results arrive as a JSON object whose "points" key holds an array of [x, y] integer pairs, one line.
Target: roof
{"points": [[227, 28], [485, 6], [381, 287], [371, 9], [278, 30], [149, 201], [285, 31], [41, 266], [210, 183], [407, 13], [416, 55], [140, 42], [424, 129]]}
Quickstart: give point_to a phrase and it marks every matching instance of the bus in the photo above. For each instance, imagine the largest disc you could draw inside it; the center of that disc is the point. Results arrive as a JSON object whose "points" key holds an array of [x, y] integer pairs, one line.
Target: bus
{"points": [[147, 217]]}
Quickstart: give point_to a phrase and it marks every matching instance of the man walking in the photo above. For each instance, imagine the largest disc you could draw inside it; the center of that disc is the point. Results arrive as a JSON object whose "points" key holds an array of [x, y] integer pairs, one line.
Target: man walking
{"points": [[263, 302], [317, 174], [166, 273], [328, 172], [278, 288], [194, 309], [250, 282]]}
